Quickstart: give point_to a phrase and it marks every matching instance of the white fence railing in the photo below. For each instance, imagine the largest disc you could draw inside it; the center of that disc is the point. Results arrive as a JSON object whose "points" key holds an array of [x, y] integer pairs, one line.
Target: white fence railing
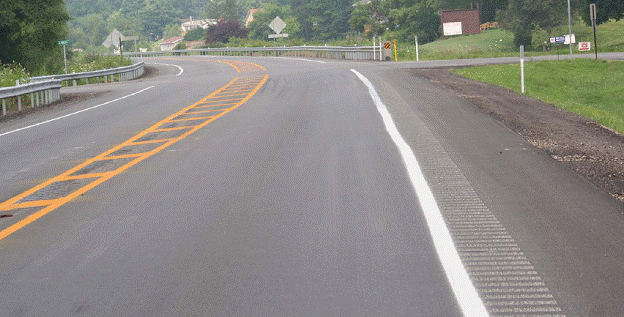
{"points": [[330, 52], [46, 89]]}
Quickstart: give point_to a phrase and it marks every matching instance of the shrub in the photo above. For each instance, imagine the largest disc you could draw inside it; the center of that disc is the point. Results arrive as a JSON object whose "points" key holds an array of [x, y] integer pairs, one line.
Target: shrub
{"points": [[12, 72]]}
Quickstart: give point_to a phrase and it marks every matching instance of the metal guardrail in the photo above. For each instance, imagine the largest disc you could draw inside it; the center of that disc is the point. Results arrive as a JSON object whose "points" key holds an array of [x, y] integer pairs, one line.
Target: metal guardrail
{"points": [[330, 52], [124, 73], [46, 89], [41, 93]]}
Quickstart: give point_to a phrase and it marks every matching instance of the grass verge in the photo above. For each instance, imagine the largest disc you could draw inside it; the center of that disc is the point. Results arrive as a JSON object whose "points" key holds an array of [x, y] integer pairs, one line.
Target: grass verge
{"points": [[590, 88]]}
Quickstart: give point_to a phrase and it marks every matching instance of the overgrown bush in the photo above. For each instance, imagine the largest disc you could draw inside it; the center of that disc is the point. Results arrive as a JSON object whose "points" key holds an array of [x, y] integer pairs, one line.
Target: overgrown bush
{"points": [[90, 62], [12, 72]]}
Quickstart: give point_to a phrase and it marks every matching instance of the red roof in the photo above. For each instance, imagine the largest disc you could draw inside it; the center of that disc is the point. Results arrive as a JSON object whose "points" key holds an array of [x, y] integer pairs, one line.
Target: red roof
{"points": [[172, 40]]}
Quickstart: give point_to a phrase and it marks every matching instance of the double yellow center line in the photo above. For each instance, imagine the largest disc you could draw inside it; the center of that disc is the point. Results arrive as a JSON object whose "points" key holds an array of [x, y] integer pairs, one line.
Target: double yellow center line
{"points": [[65, 187]]}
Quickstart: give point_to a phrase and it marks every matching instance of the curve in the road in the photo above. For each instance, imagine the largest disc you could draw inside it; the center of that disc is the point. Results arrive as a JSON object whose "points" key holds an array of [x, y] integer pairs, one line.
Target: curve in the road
{"points": [[65, 187]]}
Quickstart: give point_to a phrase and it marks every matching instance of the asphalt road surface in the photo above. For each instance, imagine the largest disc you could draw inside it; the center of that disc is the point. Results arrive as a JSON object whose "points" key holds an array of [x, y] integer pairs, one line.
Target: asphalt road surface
{"points": [[286, 187]]}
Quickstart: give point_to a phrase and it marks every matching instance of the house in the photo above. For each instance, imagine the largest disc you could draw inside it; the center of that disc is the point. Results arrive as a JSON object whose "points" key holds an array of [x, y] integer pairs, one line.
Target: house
{"points": [[250, 16], [170, 43], [457, 22], [190, 24], [361, 2]]}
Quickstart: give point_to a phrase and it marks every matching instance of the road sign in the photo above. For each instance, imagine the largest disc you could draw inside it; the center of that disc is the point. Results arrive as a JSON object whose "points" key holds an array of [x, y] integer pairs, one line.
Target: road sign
{"points": [[585, 46], [567, 39], [557, 40], [387, 45], [114, 38], [66, 42], [274, 36], [277, 25]]}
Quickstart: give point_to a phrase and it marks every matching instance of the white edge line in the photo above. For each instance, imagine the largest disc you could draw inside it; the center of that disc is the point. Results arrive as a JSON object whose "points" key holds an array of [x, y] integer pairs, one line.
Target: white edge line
{"points": [[465, 292], [301, 59], [77, 112], [180, 68]]}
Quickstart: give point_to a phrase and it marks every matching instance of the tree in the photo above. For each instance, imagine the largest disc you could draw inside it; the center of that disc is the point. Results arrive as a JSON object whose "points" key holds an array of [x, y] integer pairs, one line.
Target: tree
{"points": [[259, 27], [489, 8], [172, 30], [370, 18], [29, 32], [156, 14], [94, 27], [223, 31], [605, 10], [522, 17], [125, 25], [420, 20], [323, 19], [222, 9], [195, 35]]}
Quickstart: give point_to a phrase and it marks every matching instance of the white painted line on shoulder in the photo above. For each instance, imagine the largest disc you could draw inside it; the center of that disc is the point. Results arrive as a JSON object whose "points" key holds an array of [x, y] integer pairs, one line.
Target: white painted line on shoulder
{"points": [[465, 292], [180, 68], [77, 112]]}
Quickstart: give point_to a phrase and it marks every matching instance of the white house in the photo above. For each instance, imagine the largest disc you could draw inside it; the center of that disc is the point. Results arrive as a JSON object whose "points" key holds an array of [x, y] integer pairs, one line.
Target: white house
{"points": [[190, 24], [170, 43]]}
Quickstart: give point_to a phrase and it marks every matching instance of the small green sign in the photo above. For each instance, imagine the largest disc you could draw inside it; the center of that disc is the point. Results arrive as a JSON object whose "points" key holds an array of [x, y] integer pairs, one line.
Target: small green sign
{"points": [[66, 42]]}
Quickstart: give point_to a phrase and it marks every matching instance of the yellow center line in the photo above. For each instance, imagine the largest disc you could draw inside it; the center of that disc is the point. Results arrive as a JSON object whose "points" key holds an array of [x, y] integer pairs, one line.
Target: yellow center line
{"points": [[98, 178]]}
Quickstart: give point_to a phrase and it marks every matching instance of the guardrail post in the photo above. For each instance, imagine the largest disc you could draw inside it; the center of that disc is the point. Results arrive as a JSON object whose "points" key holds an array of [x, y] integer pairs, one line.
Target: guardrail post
{"points": [[75, 83], [104, 77], [32, 100], [19, 103], [37, 96], [87, 80], [4, 107]]}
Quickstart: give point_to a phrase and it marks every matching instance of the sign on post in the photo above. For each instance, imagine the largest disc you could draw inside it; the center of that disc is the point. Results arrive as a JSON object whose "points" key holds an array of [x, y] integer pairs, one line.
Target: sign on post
{"points": [[277, 25], [569, 39], [585, 46], [64, 43]]}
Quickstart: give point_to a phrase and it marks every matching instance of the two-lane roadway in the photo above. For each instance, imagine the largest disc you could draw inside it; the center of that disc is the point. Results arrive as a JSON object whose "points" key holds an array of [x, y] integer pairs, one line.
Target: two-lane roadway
{"points": [[284, 187]]}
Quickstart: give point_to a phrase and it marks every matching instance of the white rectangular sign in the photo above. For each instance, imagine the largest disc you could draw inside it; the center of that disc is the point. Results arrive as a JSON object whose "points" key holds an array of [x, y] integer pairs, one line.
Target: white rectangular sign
{"points": [[585, 46], [567, 39], [452, 28], [273, 36]]}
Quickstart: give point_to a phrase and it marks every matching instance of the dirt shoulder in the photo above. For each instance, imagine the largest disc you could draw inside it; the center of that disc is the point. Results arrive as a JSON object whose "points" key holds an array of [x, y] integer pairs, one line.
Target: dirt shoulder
{"points": [[579, 143]]}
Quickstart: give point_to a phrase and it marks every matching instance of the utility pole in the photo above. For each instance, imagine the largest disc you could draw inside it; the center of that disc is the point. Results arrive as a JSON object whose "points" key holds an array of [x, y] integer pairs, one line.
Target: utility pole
{"points": [[570, 27], [592, 15]]}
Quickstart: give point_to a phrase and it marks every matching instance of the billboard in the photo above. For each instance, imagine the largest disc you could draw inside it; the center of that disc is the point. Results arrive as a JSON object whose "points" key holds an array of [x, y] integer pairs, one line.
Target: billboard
{"points": [[452, 28]]}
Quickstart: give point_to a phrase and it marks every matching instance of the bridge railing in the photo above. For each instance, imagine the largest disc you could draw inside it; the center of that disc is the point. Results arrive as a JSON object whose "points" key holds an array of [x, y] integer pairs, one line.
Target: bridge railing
{"points": [[330, 52]]}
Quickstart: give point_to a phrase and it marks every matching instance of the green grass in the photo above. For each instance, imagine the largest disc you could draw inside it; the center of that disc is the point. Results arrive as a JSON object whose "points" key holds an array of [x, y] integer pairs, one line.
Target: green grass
{"points": [[593, 89], [499, 43]]}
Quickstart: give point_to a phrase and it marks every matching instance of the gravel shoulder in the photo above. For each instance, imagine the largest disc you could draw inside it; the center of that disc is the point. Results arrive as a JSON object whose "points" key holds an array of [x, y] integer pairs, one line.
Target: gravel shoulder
{"points": [[581, 144]]}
